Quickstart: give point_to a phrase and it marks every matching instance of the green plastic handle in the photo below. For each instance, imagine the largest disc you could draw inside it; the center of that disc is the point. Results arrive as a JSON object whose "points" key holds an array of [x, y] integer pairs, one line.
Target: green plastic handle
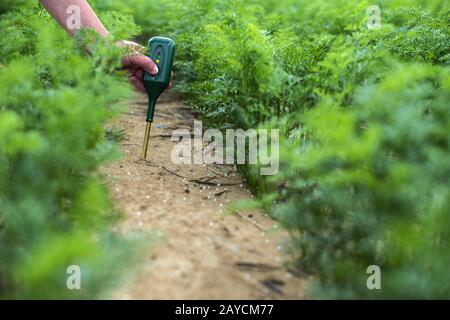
{"points": [[162, 52]]}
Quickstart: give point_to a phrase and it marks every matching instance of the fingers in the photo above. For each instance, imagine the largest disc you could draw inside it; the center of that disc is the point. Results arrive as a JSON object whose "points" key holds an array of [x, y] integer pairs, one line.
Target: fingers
{"points": [[137, 83], [142, 62], [139, 74], [135, 79], [171, 83], [136, 65]]}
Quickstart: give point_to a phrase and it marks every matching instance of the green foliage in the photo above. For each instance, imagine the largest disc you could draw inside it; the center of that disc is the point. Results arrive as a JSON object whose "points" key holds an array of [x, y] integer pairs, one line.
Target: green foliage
{"points": [[54, 103], [364, 116], [365, 121], [8, 5], [372, 187]]}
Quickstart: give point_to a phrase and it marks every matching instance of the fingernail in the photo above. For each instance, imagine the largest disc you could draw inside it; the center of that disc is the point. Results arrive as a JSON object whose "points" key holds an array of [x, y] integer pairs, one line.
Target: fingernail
{"points": [[155, 70]]}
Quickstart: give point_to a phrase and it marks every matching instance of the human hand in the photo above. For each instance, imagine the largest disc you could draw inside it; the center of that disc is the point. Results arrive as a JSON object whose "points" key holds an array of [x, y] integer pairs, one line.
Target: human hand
{"points": [[136, 62]]}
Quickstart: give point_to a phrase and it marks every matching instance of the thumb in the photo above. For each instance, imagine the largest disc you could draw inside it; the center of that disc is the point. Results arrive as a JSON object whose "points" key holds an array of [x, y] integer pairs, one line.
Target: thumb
{"points": [[142, 62]]}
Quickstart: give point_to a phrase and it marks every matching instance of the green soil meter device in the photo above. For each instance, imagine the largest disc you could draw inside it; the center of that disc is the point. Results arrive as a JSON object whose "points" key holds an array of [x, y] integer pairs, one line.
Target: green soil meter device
{"points": [[162, 52]]}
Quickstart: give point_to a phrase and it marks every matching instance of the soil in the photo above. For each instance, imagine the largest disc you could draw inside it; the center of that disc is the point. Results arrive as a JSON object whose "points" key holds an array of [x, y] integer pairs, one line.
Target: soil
{"points": [[204, 250]]}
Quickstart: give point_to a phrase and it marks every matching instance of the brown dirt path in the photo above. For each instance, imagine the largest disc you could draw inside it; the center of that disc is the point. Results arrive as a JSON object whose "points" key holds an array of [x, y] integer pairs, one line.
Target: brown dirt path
{"points": [[204, 252]]}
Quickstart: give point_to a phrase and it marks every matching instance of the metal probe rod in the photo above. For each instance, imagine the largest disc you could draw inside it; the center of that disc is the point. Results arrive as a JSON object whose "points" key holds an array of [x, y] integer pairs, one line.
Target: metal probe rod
{"points": [[146, 138]]}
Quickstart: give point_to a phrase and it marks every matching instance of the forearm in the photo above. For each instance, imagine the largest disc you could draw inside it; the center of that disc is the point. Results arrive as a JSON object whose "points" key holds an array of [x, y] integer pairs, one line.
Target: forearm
{"points": [[64, 14]]}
